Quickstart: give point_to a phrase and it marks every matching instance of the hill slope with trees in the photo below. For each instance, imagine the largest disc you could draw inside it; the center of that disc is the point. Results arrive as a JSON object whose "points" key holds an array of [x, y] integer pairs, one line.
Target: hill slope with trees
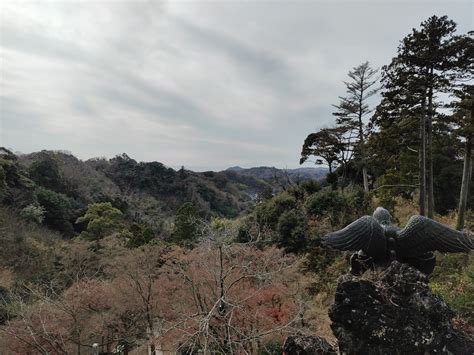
{"points": [[137, 257]]}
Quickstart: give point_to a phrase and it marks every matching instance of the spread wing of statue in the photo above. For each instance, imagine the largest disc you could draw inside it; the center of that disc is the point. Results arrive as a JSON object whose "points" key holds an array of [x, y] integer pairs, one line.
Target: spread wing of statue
{"points": [[378, 241]]}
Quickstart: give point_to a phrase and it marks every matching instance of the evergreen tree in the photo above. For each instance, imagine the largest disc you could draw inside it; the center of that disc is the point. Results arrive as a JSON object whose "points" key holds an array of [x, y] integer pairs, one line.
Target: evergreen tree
{"points": [[325, 144], [421, 69], [463, 117], [59, 210], [102, 219], [354, 108], [186, 225], [45, 171]]}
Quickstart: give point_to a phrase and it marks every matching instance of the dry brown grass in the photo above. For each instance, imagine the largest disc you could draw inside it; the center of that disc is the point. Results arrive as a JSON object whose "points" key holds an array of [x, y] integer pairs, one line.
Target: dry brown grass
{"points": [[6, 277], [404, 209]]}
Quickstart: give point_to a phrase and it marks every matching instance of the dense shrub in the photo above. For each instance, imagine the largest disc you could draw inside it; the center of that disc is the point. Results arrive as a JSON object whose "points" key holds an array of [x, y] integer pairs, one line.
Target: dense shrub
{"points": [[59, 210], [268, 212], [101, 219], [27, 250], [137, 235], [359, 202], [453, 279], [33, 213], [45, 171], [331, 179], [310, 186], [325, 202], [186, 225], [243, 235], [15, 187], [292, 231]]}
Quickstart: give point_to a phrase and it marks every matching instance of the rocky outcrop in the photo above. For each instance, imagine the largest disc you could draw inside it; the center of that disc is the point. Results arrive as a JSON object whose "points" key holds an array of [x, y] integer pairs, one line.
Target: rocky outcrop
{"points": [[307, 345], [394, 312]]}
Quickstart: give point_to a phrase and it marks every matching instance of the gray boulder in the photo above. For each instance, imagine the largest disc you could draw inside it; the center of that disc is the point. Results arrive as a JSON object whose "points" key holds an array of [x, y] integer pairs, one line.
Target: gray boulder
{"points": [[395, 312]]}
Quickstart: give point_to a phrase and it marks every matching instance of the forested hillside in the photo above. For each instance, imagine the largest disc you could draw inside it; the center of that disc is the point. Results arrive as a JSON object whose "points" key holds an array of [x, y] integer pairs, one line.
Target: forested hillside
{"points": [[136, 257], [60, 186]]}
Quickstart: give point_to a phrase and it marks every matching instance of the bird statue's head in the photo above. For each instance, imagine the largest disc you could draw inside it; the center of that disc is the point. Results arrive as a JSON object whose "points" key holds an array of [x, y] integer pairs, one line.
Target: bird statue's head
{"points": [[382, 216]]}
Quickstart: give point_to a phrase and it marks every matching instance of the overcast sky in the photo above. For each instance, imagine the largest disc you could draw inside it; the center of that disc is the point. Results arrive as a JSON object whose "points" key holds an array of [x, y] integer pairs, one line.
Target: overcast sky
{"points": [[202, 84]]}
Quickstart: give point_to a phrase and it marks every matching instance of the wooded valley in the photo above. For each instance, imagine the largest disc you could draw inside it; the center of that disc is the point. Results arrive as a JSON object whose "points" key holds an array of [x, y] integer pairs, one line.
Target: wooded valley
{"points": [[136, 256]]}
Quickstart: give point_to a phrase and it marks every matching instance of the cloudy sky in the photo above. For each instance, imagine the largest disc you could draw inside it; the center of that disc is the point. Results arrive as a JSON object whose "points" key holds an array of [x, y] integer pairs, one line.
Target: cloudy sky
{"points": [[204, 84]]}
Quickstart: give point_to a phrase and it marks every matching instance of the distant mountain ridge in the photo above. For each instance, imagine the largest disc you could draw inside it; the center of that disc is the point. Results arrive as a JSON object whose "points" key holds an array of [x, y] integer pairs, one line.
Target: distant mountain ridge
{"points": [[145, 190], [272, 173]]}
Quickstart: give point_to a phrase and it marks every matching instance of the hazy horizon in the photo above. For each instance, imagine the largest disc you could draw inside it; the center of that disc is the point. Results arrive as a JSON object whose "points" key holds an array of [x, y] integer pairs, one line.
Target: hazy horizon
{"points": [[177, 167], [206, 85]]}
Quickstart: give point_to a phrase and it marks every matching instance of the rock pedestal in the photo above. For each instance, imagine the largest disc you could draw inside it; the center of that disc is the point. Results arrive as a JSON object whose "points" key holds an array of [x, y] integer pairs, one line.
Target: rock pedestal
{"points": [[394, 312]]}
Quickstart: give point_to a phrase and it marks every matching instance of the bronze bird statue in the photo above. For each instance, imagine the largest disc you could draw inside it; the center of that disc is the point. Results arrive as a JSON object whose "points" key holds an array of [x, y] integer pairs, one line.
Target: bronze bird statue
{"points": [[379, 242]]}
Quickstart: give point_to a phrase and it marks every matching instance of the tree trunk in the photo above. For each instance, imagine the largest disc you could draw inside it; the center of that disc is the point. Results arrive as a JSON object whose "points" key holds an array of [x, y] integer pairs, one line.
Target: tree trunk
{"points": [[421, 158], [471, 161], [466, 177], [429, 151], [361, 136], [366, 179]]}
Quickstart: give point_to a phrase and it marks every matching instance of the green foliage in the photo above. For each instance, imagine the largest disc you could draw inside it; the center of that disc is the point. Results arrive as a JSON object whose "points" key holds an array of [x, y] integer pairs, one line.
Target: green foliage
{"points": [[266, 194], [344, 144], [292, 231], [453, 279], [296, 192], [325, 144], [310, 186], [15, 187], [324, 267], [284, 218], [386, 196], [268, 212], [118, 202], [359, 202], [8, 174], [325, 202], [243, 235], [33, 213], [271, 348], [426, 62], [45, 171], [137, 235], [319, 259], [59, 210], [102, 219], [213, 193], [186, 225], [27, 249], [400, 174], [447, 174], [331, 179]]}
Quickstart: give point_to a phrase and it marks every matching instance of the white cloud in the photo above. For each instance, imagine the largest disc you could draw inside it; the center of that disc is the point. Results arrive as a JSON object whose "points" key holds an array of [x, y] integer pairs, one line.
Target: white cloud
{"points": [[208, 84]]}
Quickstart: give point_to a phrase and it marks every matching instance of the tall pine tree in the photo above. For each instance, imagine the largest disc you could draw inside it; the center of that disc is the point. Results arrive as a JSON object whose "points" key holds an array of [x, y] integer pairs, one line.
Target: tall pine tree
{"points": [[463, 115], [354, 108], [417, 74]]}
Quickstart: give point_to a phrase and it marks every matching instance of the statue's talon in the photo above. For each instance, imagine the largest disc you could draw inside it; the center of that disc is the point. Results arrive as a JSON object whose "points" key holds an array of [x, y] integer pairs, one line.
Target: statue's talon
{"points": [[360, 264], [393, 255]]}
